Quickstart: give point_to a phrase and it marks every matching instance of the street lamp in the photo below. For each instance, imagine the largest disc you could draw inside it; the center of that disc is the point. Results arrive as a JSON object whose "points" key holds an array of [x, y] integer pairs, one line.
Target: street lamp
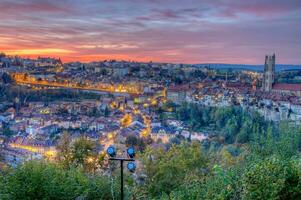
{"points": [[111, 151], [131, 152], [131, 166]]}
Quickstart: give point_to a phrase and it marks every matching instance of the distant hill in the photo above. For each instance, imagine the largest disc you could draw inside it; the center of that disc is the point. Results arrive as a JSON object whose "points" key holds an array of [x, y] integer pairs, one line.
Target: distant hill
{"points": [[279, 67]]}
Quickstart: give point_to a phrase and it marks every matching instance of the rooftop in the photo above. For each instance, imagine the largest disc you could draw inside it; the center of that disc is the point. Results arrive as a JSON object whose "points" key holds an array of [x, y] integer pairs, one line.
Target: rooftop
{"points": [[287, 86]]}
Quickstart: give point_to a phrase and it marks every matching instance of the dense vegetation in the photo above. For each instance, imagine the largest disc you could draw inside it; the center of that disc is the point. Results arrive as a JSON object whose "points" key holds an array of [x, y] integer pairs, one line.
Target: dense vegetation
{"points": [[41, 180], [245, 157], [10, 92], [230, 125], [265, 164], [289, 76]]}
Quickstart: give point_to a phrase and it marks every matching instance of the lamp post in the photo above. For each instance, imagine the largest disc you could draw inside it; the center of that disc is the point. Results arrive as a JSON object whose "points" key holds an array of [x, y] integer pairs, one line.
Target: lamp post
{"points": [[111, 151]]}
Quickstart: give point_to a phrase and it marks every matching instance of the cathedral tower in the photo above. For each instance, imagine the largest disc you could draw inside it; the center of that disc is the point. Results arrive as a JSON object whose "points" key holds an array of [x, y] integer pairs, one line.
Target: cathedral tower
{"points": [[269, 73]]}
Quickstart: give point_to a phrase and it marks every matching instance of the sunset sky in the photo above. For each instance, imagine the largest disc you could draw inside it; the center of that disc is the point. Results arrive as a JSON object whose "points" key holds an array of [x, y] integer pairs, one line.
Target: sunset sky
{"points": [[190, 31]]}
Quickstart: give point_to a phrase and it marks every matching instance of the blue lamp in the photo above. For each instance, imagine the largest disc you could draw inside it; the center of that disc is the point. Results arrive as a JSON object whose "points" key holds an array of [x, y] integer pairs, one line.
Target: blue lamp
{"points": [[131, 152], [111, 151], [131, 166]]}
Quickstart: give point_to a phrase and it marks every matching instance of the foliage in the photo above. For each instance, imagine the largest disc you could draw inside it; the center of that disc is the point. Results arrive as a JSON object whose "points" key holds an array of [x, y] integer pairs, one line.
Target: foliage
{"points": [[254, 153], [80, 153], [106, 112], [273, 178], [94, 112], [165, 170], [233, 124], [6, 78], [40, 180], [137, 142], [64, 152], [10, 92], [6, 131]]}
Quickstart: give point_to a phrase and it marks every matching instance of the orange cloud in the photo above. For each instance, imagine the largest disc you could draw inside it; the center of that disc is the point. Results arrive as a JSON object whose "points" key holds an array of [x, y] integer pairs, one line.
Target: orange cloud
{"points": [[45, 51]]}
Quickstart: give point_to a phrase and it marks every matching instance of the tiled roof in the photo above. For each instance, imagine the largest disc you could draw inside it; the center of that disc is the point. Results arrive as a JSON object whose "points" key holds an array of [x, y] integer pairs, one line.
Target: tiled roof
{"points": [[287, 86], [178, 88]]}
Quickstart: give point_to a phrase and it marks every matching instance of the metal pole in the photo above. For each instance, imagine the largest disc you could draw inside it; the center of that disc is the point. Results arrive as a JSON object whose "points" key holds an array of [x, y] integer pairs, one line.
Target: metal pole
{"points": [[121, 172], [121, 183]]}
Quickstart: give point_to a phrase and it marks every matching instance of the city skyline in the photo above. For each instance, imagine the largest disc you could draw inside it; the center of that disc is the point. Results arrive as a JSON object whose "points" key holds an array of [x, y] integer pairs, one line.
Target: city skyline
{"points": [[150, 30]]}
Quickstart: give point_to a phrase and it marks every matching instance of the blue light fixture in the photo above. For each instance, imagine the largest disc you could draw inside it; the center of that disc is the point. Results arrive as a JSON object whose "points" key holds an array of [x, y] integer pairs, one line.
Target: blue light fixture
{"points": [[131, 166], [111, 151], [131, 152]]}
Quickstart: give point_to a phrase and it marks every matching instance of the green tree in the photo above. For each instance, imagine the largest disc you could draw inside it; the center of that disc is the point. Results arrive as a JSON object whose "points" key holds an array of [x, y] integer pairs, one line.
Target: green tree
{"points": [[137, 142], [131, 140], [273, 178], [231, 130], [166, 170], [80, 153], [244, 134], [94, 112], [83, 154], [106, 112], [64, 155], [6, 78]]}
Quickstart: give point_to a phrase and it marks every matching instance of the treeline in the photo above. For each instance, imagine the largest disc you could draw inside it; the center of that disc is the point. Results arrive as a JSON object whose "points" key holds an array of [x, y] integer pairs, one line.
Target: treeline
{"points": [[188, 172], [270, 169], [233, 124], [10, 92]]}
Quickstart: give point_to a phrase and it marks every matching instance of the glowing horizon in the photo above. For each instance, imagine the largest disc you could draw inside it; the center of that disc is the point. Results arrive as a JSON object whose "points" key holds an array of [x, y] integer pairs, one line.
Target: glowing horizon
{"points": [[193, 31]]}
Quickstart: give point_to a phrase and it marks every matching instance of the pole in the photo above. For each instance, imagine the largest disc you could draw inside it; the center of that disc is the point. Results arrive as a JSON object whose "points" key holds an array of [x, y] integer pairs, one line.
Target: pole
{"points": [[121, 183], [121, 172]]}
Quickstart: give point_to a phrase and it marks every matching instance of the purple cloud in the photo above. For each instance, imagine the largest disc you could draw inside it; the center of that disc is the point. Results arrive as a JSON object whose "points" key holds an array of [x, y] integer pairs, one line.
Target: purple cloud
{"points": [[190, 31]]}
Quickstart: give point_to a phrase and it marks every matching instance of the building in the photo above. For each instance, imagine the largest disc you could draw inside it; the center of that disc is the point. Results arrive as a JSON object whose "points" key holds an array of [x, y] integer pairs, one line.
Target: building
{"points": [[177, 94], [47, 62], [269, 84], [287, 88], [269, 73]]}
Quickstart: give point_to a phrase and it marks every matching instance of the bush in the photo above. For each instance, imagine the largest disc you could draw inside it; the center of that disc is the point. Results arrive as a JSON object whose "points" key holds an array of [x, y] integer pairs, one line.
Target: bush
{"points": [[41, 180], [272, 178]]}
